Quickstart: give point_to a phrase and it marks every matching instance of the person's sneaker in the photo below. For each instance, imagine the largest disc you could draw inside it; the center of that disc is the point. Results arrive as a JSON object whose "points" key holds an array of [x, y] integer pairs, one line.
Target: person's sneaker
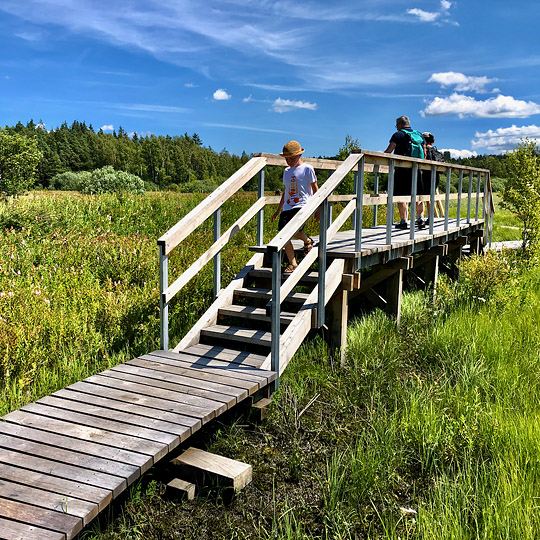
{"points": [[421, 223], [402, 224]]}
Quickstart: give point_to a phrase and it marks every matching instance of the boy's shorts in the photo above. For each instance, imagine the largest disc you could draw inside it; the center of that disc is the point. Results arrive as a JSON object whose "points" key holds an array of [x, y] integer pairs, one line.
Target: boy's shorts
{"points": [[286, 216]]}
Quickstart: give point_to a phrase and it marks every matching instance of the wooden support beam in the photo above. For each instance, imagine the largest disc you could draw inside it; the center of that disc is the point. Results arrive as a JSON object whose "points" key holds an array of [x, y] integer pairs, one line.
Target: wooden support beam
{"points": [[376, 299], [403, 263], [181, 489], [436, 251], [201, 467], [259, 410], [432, 271], [336, 321], [394, 289]]}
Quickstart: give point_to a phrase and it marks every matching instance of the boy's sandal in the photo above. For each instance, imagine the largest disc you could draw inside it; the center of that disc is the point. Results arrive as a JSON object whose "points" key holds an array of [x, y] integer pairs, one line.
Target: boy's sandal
{"points": [[308, 246], [290, 269]]}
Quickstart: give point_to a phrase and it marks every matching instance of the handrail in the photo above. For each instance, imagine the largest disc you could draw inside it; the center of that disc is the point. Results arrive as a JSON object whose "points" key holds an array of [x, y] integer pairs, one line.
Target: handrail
{"points": [[206, 208]]}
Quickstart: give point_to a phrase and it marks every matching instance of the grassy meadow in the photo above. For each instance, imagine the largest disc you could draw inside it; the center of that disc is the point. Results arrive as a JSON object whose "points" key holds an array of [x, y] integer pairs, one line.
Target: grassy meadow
{"points": [[428, 431]]}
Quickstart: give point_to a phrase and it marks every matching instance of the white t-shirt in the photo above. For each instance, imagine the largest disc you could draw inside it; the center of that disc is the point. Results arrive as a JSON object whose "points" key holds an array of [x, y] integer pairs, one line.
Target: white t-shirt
{"points": [[297, 181]]}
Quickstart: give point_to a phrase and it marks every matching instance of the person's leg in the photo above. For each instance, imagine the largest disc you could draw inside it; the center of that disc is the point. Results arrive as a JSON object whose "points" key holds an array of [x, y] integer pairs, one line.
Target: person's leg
{"points": [[289, 251], [403, 210]]}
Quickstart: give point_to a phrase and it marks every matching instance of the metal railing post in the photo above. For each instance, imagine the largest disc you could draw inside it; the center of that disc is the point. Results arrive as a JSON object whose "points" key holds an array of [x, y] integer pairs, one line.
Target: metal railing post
{"points": [[163, 306], [260, 215], [390, 203], [447, 198], [432, 198], [322, 263], [478, 180], [375, 192], [469, 194], [460, 193], [414, 189], [359, 208], [217, 256], [276, 314], [355, 189]]}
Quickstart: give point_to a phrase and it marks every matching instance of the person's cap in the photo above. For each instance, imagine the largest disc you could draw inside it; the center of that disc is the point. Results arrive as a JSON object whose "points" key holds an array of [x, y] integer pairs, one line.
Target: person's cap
{"points": [[428, 135], [291, 149]]}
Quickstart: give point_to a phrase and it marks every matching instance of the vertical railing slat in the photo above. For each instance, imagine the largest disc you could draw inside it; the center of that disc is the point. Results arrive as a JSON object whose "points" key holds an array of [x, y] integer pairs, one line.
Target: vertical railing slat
{"points": [[163, 306], [432, 198], [375, 192], [359, 205], [322, 263], [260, 215], [447, 198], [460, 193], [469, 197], [276, 314], [217, 256], [414, 190], [478, 180], [390, 203]]}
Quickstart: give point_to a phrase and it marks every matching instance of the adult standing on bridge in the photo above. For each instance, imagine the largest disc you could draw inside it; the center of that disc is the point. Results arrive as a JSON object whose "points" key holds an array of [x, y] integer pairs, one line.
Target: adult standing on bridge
{"points": [[405, 142], [300, 183]]}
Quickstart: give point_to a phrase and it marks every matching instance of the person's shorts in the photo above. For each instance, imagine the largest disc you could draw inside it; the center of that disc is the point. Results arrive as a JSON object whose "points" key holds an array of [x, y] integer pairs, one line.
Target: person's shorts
{"points": [[424, 182], [286, 216], [402, 181]]}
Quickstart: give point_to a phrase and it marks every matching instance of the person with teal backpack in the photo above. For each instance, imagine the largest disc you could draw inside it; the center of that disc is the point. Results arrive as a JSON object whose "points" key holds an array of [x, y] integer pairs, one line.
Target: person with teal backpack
{"points": [[405, 142]]}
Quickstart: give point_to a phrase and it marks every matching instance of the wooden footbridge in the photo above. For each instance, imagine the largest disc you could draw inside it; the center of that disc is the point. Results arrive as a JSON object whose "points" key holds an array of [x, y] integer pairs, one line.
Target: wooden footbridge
{"points": [[64, 458]]}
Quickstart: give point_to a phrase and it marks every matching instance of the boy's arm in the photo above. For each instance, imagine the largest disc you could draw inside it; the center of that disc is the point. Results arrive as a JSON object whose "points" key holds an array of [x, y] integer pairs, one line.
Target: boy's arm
{"points": [[314, 189], [279, 208]]}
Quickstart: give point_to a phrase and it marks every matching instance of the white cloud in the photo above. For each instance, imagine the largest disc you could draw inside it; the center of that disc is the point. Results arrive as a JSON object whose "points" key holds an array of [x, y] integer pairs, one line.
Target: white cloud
{"points": [[445, 5], [107, 127], [424, 16], [498, 107], [248, 99], [191, 85], [502, 139], [456, 154], [285, 105], [461, 82], [245, 128], [221, 95]]}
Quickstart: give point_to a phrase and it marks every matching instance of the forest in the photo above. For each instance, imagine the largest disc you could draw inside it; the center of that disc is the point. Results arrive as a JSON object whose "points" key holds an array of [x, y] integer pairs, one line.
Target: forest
{"points": [[178, 162]]}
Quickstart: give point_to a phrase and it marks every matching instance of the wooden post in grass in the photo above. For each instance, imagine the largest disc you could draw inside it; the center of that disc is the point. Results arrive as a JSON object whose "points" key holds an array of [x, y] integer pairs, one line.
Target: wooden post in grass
{"points": [[394, 288]]}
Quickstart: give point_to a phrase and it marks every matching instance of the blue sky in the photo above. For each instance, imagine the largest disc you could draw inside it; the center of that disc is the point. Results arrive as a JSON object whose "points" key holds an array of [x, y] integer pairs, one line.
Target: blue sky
{"points": [[250, 75]]}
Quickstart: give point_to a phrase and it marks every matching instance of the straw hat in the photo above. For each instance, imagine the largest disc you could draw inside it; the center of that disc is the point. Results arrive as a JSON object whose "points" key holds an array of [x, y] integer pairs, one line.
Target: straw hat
{"points": [[291, 149]]}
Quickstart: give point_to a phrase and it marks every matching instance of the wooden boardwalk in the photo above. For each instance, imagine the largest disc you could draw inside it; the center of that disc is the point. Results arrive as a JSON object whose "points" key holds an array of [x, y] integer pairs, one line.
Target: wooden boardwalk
{"points": [[64, 458]]}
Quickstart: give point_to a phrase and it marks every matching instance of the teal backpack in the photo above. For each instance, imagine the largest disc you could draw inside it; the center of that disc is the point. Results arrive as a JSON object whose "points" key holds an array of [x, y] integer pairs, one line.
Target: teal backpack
{"points": [[417, 150]]}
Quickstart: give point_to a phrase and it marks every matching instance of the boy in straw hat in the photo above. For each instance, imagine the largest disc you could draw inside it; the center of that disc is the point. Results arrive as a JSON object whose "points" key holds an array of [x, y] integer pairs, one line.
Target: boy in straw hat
{"points": [[300, 183]]}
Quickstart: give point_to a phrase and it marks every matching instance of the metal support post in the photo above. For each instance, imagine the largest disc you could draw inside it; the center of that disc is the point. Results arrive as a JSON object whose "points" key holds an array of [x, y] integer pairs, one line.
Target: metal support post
{"points": [[460, 193], [469, 197], [432, 198], [414, 189], [260, 215], [447, 198], [390, 203], [322, 263], [478, 180], [375, 192], [359, 208], [163, 306], [276, 314], [217, 256]]}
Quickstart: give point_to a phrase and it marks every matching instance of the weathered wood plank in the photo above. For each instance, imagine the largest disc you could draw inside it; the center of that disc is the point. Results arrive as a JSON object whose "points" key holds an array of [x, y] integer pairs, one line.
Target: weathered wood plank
{"points": [[13, 530], [253, 313], [65, 455], [92, 449], [238, 334], [72, 506], [48, 482], [138, 404], [40, 517], [173, 401]]}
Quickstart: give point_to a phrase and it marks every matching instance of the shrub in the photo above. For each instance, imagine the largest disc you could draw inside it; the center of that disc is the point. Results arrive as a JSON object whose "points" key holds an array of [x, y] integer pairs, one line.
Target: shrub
{"points": [[69, 180], [199, 186], [108, 180]]}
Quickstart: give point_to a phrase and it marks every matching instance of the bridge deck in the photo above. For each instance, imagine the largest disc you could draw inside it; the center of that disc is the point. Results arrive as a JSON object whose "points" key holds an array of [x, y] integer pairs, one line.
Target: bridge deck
{"points": [[64, 458]]}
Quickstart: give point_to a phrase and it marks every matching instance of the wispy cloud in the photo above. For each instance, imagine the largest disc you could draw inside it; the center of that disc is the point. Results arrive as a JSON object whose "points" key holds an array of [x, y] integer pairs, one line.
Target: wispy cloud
{"points": [[107, 127], [503, 139], [497, 107], [457, 154], [439, 17], [424, 16], [286, 105], [245, 128], [462, 82], [191, 85], [221, 95]]}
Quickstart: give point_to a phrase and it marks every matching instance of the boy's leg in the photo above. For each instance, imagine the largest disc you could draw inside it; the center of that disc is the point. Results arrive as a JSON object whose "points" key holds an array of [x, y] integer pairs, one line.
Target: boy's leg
{"points": [[289, 251]]}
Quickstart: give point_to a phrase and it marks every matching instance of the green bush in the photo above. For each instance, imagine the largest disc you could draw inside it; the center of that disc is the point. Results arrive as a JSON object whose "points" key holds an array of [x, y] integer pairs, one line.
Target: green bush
{"points": [[108, 180], [69, 180], [199, 186]]}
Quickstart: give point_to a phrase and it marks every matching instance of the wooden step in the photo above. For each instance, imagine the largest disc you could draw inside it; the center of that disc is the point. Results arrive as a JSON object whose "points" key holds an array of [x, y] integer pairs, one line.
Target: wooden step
{"points": [[241, 335], [254, 313], [266, 273], [258, 293]]}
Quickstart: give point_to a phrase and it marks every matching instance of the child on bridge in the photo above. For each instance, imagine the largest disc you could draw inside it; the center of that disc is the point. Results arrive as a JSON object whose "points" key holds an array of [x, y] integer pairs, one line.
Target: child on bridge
{"points": [[300, 183]]}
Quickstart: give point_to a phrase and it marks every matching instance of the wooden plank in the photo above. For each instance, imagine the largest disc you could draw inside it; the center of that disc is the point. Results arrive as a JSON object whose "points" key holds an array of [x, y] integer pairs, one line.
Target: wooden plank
{"points": [[78, 431], [173, 401], [48, 482], [69, 457], [222, 355], [62, 400], [240, 386], [259, 338], [133, 413], [40, 517], [13, 530], [201, 386], [253, 313], [266, 294], [181, 392], [136, 403], [196, 463], [158, 439], [231, 373], [78, 474], [208, 206], [224, 298], [72, 506], [184, 489], [266, 273], [77, 445]]}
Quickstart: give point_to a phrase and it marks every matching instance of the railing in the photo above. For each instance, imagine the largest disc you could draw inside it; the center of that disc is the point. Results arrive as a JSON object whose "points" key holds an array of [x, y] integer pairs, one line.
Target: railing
{"points": [[364, 161]]}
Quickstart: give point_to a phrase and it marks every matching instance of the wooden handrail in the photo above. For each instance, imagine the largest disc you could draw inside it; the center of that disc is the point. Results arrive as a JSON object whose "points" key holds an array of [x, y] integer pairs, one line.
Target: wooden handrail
{"points": [[206, 208]]}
